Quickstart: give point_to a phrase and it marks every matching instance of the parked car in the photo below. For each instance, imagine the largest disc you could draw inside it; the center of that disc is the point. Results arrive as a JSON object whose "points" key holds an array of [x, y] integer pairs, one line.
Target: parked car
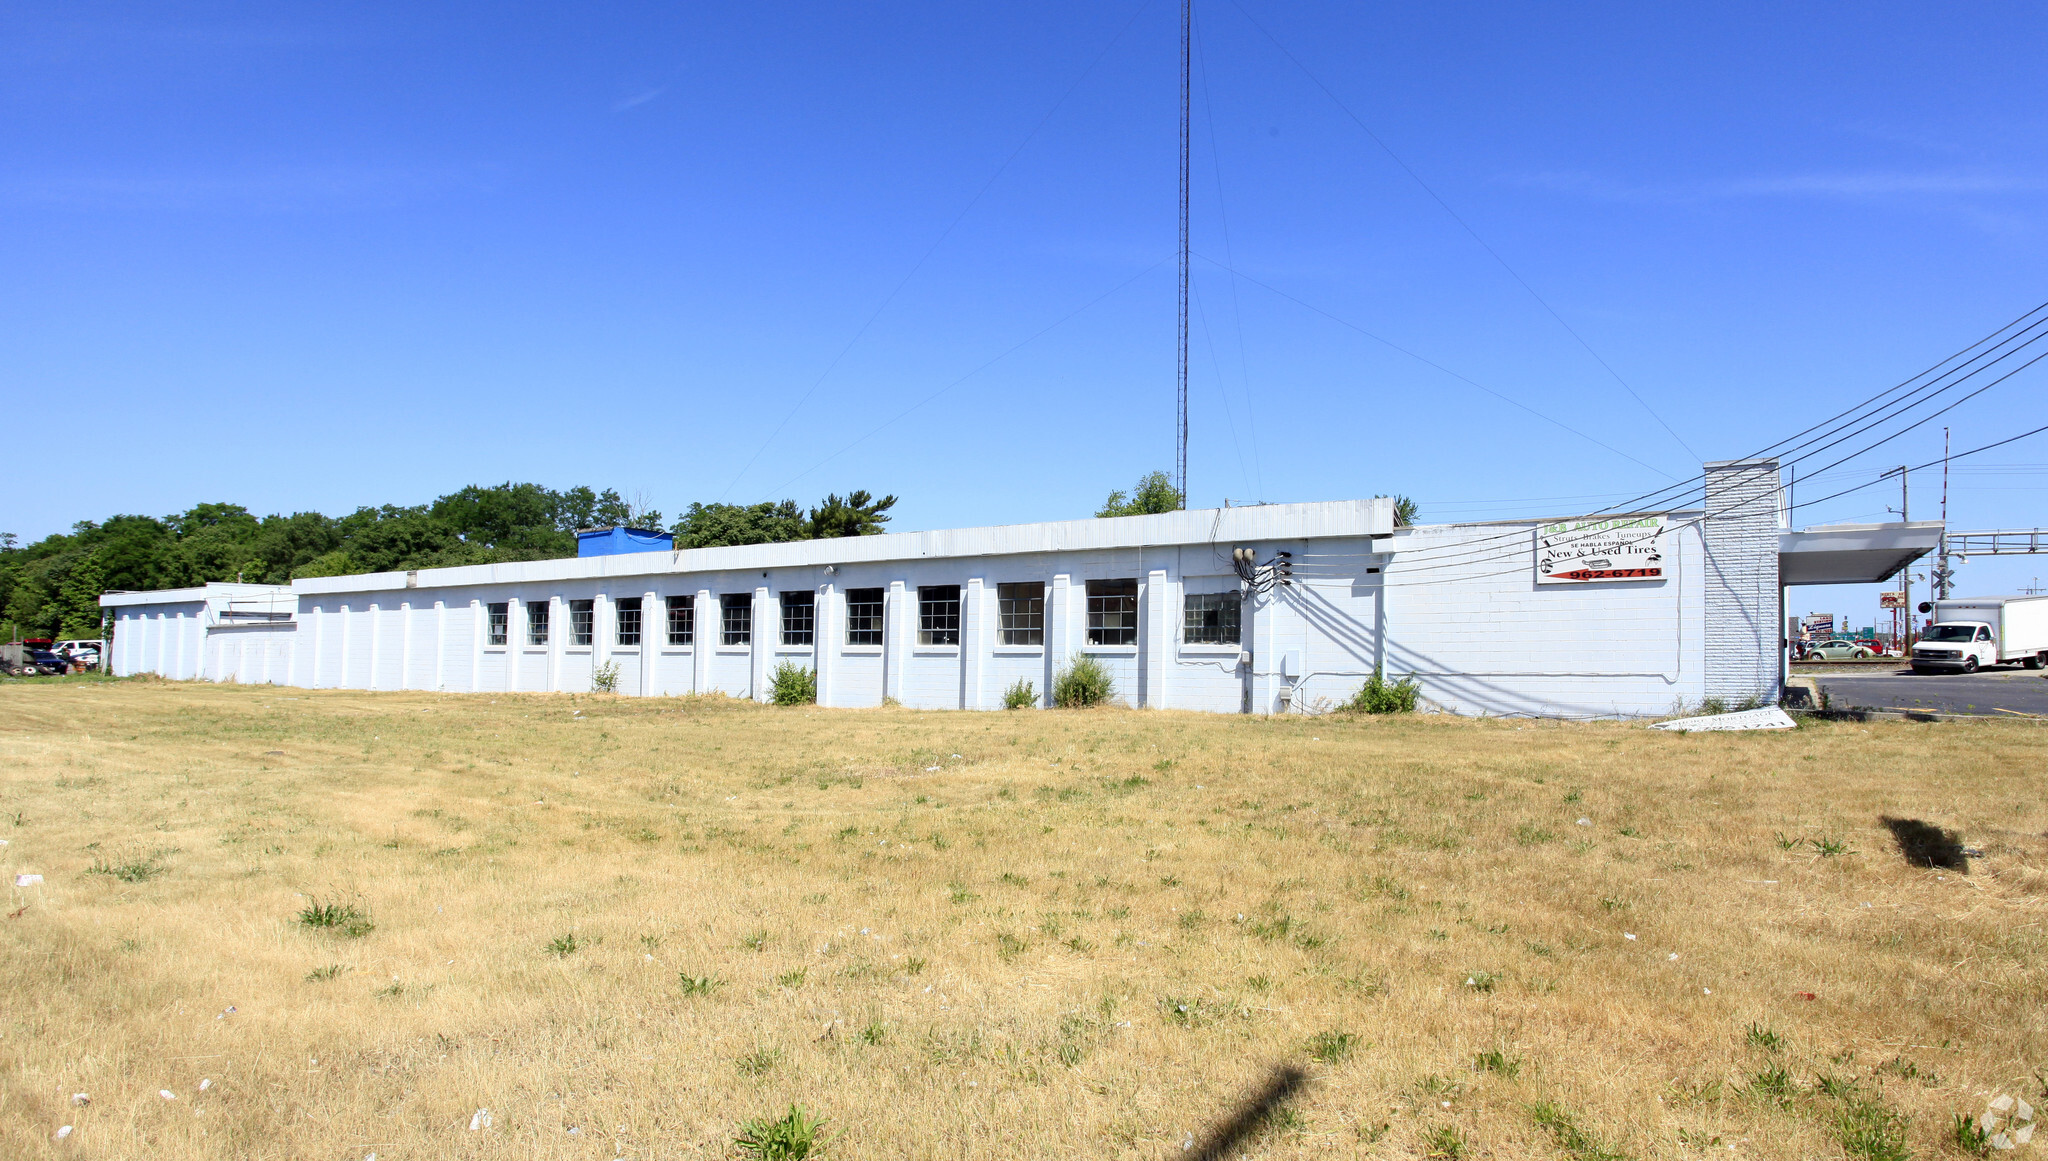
{"points": [[1836, 650], [1877, 648], [84, 652], [29, 659]]}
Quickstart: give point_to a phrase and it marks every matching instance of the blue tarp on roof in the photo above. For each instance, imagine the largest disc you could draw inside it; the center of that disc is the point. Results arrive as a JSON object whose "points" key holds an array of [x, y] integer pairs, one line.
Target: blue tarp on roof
{"points": [[618, 541]]}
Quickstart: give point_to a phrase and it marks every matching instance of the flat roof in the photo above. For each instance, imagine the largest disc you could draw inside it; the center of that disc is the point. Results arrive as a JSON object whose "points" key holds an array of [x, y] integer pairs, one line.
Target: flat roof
{"points": [[1328, 518], [229, 589]]}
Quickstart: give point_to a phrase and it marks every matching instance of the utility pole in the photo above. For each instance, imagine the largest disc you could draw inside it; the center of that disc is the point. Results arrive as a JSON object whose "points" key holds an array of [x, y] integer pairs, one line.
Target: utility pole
{"points": [[1942, 574], [1180, 463], [1906, 573]]}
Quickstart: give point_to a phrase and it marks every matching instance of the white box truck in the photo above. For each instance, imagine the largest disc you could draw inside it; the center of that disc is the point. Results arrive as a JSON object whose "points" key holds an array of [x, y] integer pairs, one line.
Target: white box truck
{"points": [[1970, 632]]}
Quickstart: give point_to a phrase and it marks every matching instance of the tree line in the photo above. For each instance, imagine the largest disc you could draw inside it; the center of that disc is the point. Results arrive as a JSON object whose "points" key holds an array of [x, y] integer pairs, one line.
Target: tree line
{"points": [[51, 588]]}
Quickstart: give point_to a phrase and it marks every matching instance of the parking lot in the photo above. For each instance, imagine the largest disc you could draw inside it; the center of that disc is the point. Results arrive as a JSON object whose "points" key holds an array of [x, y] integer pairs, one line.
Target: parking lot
{"points": [[1988, 691]]}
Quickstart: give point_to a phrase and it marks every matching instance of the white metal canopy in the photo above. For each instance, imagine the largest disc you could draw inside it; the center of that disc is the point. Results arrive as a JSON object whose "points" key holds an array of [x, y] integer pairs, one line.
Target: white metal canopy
{"points": [[1851, 554]]}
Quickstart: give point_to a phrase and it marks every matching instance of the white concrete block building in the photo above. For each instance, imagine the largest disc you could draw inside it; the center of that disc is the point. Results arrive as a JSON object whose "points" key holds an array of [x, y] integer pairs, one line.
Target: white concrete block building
{"points": [[1614, 617]]}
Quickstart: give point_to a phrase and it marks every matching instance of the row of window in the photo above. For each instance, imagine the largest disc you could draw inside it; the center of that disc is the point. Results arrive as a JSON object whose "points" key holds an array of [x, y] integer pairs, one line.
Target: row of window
{"points": [[1206, 618]]}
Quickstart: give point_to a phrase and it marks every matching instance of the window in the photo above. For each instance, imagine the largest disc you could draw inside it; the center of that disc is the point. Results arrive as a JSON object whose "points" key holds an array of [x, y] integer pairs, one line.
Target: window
{"points": [[629, 621], [500, 622], [1021, 608], [1211, 619], [863, 616], [736, 613], [1113, 612], [682, 620], [799, 617], [582, 622], [938, 614], [537, 623]]}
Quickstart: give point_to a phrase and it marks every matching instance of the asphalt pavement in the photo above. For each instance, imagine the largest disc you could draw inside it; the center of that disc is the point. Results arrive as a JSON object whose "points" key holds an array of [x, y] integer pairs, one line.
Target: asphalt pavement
{"points": [[1987, 691]]}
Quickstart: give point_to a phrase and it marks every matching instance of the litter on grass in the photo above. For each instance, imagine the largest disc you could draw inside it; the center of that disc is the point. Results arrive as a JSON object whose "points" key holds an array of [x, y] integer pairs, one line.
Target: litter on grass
{"points": [[28, 880], [1767, 718], [2008, 1123], [63, 1132], [480, 1121]]}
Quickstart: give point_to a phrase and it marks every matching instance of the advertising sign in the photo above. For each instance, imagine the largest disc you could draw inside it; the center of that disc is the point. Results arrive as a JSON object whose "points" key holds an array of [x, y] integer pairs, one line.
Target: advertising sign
{"points": [[1575, 552], [1891, 600], [1820, 625]]}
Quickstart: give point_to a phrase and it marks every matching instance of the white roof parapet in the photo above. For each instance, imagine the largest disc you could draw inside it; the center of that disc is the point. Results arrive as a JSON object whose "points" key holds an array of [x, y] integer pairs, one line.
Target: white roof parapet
{"points": [[212, 590], [1200, 526]]}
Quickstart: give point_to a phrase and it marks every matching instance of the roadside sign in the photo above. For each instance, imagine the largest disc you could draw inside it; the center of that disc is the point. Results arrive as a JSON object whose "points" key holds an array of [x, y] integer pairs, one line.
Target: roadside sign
{"points": [[1591, 551], [1891, 600]]}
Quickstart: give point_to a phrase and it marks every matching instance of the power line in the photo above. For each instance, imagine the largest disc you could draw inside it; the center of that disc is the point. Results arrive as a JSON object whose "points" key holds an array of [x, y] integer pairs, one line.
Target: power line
{"points": [[1222, 387], [933, 249], [1258, 481], [1006, 353], [1913, 378], [1771, 494], [1390, 344], [1180, 453], [1467, 227], [1470, 549]]}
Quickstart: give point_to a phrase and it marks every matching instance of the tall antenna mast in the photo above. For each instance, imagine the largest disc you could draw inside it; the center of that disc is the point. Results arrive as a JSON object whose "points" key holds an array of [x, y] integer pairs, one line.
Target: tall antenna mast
{"points": [[1180, 465]]}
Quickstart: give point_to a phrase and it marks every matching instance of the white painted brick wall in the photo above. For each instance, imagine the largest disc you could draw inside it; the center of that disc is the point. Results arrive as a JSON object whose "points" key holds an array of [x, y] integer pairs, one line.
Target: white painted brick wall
{"points": [[1743, 626]]}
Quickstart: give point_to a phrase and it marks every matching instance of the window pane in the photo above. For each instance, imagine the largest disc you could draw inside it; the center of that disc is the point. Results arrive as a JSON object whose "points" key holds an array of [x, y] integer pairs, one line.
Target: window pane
{"points": [[737, 618], [1211, 618], [799, 612], [537, 623], [582, 622], [938, 614], [682, 620], [863, 616], [1113, 612], [500, 622], [1021, 609], [629, 621]]}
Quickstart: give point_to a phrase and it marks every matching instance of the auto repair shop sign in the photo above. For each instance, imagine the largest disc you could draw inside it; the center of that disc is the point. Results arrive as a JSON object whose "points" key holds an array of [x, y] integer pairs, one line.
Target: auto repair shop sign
{"points": [[1577, 552]]}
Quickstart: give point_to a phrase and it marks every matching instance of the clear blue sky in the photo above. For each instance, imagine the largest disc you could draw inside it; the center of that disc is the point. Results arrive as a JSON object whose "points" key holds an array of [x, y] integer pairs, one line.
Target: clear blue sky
{"points": [[315, 256]]}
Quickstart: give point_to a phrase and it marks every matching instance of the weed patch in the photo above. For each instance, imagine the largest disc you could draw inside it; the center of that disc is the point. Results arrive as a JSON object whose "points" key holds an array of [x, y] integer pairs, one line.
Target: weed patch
{"points": [[343, 918], [1574, 1140], [791, 1137]]}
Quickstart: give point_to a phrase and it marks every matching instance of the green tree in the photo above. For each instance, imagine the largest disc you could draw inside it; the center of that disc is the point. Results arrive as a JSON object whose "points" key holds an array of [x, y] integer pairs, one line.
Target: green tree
{"points": [[715, 525], [31, 606], [336, 563], [139, 553], [859, 514], [502, 515], [1154, 493], [1404, 509], [79, 599]]}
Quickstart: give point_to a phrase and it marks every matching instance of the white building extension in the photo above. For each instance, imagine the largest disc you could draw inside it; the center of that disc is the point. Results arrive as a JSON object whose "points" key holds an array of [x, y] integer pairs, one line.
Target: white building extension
{"points": [[1622, 616]]}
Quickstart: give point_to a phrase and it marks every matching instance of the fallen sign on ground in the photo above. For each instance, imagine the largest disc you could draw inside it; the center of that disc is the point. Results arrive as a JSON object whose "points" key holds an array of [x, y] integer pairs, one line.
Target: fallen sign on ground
{"points": [[1767, 718]]}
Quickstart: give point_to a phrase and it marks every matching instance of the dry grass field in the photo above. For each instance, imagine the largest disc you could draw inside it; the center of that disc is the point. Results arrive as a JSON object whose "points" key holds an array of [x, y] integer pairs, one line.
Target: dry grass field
{"points": [[625, 927]]}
